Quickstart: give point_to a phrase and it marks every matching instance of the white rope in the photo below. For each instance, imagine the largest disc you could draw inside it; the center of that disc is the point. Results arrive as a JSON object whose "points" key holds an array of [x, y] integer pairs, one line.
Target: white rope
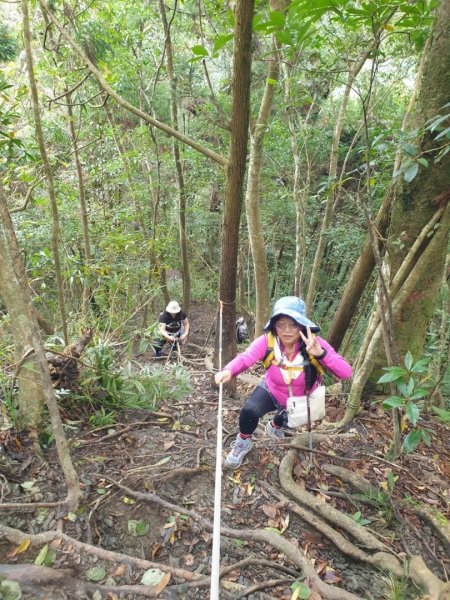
{"points": [[215, 561]]}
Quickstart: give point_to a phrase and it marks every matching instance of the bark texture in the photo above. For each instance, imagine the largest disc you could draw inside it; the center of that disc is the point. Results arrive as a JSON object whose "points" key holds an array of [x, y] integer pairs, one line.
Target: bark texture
{"points": [[235, 173]]}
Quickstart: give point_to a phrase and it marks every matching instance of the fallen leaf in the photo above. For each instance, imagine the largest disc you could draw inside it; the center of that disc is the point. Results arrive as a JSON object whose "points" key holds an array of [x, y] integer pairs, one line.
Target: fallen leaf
{"points": [[24, 545], [269, 510], [331, 576], [168, 445], [119, 571]]}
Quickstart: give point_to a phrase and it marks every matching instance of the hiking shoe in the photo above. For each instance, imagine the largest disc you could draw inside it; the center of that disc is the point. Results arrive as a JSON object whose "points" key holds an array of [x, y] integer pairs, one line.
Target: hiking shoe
{"points": [[158, 351], [240, 448], [274, 432]]}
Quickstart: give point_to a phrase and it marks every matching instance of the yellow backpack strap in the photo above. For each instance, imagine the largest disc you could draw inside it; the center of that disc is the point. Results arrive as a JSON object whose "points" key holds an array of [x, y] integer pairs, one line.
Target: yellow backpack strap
{"points": [[268, 357], [316, 364]]}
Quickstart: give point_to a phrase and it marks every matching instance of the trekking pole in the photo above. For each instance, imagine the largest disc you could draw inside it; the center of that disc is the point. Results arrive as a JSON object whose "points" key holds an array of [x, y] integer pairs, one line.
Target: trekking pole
{"points": [[169, 355], [179, 351], [310, 441], [215, 559]]}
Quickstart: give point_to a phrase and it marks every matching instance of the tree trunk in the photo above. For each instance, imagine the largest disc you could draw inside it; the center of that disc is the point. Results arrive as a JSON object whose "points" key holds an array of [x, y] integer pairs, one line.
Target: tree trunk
{"points": [[235, 175], [363, 268], [47, 168], [32, 369], [416, 202], [252, 198], [177, 159], [332, 174], [83, 212]]}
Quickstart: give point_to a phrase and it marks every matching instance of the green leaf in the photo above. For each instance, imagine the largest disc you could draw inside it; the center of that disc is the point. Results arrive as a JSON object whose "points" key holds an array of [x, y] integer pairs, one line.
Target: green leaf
{"points": [[95, 574], [152, 577], [411, 172], [220, 41], [423, 161], [412, 440], [277, 18], [426, 437], [199, 50], [421, 366], [408, 360], [419, 393], [137, 528], [409, 149], [393, 374], [412, 412], [443, 415], [39, 560], [46, 557], [301, 590], [10, 590], [393, 402]]}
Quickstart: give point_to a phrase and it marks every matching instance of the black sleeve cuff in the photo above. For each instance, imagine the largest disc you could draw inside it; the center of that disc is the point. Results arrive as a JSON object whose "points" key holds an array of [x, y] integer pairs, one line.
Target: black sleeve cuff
{"points": [[324, 353]]}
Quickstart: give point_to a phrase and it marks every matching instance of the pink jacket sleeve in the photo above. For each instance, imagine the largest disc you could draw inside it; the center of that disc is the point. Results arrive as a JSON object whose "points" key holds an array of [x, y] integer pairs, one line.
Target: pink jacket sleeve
{"points": [[334, 362], [254, 353]]}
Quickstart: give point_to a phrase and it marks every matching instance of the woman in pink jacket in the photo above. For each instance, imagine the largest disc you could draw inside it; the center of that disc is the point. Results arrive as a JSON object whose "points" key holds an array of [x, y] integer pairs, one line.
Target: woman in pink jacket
{"points": [[292, 368]]}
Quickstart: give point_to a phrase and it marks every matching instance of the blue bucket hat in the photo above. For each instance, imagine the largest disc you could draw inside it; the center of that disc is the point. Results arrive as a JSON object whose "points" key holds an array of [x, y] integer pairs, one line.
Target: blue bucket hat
{"points": [[294, 307]]}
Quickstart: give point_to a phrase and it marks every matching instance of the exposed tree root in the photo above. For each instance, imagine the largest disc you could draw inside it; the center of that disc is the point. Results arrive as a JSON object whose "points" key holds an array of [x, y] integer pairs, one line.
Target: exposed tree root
{"points": [[327, 512], [422, 576], [358, 482], [300, 440], [16, 537], [441, 529], [418, 571], [291, 551], [33, 577], [382, 560]]}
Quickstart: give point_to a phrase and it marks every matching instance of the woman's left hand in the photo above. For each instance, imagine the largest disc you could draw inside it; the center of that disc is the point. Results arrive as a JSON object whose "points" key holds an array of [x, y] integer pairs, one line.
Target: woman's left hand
{"points": [[312, 345]]}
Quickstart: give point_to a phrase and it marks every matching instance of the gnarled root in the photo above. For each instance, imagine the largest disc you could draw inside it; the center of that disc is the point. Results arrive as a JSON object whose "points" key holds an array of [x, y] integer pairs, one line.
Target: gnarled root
{"points": [[422, 576], [327, 512]]}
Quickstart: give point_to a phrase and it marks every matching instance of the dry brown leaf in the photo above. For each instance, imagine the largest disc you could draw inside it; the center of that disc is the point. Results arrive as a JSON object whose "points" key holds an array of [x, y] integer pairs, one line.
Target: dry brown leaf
{"points": [[188, 559], [119, 571], [269, 510], [168, 445], [162, 584]]}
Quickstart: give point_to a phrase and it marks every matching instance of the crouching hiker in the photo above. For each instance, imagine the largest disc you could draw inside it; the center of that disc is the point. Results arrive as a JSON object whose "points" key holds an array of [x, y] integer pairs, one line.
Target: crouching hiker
{"points": [[294, 359], [173, 326]]}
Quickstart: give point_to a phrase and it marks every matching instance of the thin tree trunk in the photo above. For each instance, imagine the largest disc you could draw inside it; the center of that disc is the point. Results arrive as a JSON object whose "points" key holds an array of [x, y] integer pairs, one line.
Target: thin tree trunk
{"points": [[177, 159], [332, 173], [363, 268], [83, 211], [32, 371], [126, 164], [235, 175], [47, 168], [252, 198]]}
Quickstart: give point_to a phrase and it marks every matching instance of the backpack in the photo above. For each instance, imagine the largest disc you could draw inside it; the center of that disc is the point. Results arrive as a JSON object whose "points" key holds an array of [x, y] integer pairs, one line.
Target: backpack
{"points": [[241, 330], [269, 357]]}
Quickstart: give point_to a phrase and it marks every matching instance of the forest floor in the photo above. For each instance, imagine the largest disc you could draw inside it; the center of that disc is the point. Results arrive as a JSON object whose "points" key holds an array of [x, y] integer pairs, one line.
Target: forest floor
{"points": [[148, 495]]}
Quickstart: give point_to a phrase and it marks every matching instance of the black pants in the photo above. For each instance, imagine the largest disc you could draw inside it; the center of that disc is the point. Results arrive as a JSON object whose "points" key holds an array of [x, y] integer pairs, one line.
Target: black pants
{"points": [[159, 342], [259, 403]]}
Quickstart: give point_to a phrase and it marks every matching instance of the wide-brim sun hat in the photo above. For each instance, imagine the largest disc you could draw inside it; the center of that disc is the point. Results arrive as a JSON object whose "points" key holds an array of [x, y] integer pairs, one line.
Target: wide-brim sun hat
{"points": [[173, 307], [294, 307]]}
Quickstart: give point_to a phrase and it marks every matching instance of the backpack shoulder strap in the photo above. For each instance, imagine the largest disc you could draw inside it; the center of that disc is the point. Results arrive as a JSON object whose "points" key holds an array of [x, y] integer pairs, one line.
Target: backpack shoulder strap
{"points": [[268, 356]]}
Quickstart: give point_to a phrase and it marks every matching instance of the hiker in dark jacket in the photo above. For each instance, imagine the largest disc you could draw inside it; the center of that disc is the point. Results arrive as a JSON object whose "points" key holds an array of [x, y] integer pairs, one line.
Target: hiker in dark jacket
{"points": [[173, 326]]}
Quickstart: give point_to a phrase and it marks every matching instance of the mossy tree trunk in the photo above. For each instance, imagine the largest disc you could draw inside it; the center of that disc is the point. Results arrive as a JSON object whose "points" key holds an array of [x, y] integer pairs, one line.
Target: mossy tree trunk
{"points": [[417, 201]]}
